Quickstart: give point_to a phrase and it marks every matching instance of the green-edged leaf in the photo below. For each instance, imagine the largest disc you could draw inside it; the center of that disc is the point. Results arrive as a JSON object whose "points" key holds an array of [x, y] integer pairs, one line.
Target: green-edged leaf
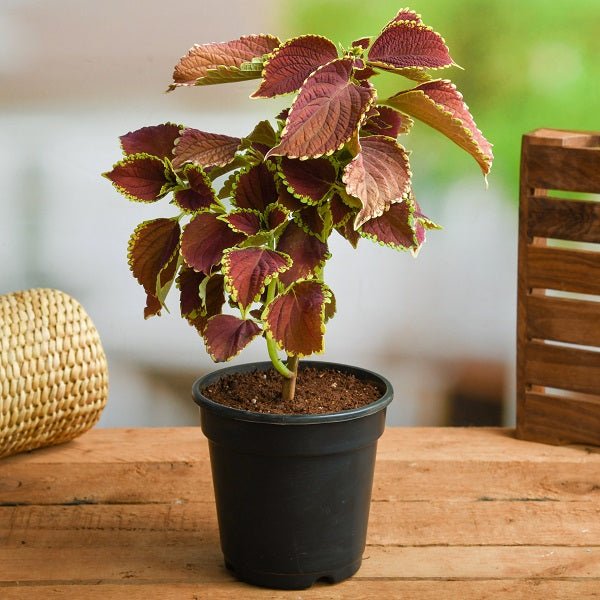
{"points": [[221, 62], [188, 284], [407, 47], [226, 336], [156, 140], [402, 227], [204, 239], [199, 195], [308, 180], [140, 177], [212, 294], [290, 202], [347, 231], [296, 318], [388, 122], [308, 253], [290, 64], [315, 220], [243, 220], [340, 211], [326, 113], [361, 43], [152, 254], [255, 188], [379, 176], [276, 217], [439, 104], [263, 136], [249, 270], [405, 14], [204, 149], [395, 228]]}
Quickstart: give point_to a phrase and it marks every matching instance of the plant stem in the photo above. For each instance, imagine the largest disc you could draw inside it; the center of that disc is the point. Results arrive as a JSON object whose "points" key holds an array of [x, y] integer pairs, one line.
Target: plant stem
{"points": [[271, 346], [289, 385]]}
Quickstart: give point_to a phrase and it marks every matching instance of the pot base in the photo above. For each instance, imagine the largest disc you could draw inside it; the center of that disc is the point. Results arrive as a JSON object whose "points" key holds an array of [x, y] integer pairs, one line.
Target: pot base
{"points": [[292, 581]]}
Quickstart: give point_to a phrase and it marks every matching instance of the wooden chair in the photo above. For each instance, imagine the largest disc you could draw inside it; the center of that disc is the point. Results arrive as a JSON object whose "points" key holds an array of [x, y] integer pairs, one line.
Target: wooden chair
{"points": [[558, 313]]}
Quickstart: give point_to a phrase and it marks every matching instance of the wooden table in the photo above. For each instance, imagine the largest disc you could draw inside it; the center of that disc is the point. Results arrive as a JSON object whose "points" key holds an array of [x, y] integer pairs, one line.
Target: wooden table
{"points": [[456, 514]]}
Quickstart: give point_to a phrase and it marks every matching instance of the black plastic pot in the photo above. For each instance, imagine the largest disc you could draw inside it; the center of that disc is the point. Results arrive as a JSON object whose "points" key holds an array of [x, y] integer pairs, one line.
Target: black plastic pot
{"points": [[292, 491]]}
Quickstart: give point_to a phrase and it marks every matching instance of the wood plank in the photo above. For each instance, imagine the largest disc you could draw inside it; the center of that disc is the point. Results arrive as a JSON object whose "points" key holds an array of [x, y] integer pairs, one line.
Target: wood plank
{"points": [[445, 523], [563, 168], [562, 420], [563, 320], [354, 589], [413, 464], [562, 367], [575, 220], [561, 269], [189, 563]]}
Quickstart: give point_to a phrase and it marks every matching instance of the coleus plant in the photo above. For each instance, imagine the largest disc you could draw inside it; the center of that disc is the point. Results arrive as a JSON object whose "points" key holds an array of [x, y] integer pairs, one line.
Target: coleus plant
{"points": [[248, 255]]}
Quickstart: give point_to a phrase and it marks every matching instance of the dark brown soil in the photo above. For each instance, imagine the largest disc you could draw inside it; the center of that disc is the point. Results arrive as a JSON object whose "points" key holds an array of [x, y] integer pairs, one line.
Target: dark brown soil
{"points": [[317, 391]]}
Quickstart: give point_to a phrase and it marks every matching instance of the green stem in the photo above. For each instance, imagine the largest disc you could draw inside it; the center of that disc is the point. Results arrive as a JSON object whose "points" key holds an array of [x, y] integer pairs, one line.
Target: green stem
{"points": [[289, 385], [271, 346]]}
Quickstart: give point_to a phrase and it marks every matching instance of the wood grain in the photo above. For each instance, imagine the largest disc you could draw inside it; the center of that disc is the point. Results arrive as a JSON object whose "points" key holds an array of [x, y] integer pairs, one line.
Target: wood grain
{"points": [[564, 168], [563, 320], [562, 367], [565, 270], [579, 417], [575, 220], [456, 513], [568, 161]]}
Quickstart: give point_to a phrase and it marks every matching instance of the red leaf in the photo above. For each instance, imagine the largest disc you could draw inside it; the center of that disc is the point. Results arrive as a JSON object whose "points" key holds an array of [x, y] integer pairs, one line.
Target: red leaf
{"points": [[204, 149], [244, 220], [157, 140], [255, 188], [152, 255], [361, 43], [140, 177], [340, 212], [379, 176], [408, 45], [326, 112], [291, 63], [188, 283], [248, 270], [295, 319], [388, 122], [439, 104], [395, 228], [204, 239], [348, 232], [309, 180], [226, 336], [201, 297], [405, 14], [306, 251], [200, 60], [276, 216], [290, 202], [153, 306], [200, 194], [311, 221]]}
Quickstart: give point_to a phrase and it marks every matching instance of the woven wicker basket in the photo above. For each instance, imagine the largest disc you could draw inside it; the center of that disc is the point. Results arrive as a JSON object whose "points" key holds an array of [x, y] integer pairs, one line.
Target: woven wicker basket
{"points": [[53, 372]]}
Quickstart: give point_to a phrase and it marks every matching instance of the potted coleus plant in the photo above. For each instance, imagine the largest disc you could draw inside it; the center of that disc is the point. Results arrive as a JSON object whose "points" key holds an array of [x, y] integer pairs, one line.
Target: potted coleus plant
{"points": [[246, 248]]}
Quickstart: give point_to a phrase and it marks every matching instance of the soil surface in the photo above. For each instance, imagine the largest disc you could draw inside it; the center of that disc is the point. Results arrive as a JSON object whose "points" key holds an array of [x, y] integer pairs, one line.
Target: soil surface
{"points": [[317, 391]]}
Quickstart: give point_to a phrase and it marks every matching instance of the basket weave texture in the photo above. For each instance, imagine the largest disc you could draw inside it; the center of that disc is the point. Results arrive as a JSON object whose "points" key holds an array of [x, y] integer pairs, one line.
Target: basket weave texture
{"points": [[53, 371]]}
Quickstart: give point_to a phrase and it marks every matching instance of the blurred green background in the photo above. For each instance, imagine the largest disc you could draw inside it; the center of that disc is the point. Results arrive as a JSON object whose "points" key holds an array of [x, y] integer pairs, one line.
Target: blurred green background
{"points": [[527, 64]]}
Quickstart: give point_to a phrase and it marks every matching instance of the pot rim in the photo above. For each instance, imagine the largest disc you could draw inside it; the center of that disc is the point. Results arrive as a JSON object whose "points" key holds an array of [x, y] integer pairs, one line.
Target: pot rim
{"points": [[292, 419]]}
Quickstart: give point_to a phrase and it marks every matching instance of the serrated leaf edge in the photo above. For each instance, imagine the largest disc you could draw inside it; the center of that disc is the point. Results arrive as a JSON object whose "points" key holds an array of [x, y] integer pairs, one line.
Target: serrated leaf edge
{"points": [[272, 55], [213, 357], [345, 141], [230, 287], [327, 297]]}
